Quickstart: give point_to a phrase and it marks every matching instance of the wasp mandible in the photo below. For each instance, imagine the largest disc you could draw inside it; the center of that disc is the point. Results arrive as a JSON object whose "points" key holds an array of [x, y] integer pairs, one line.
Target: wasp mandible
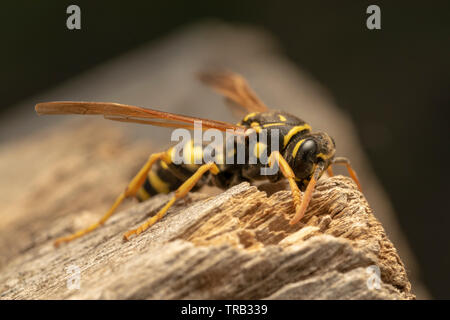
{"points": [[302, 157]]}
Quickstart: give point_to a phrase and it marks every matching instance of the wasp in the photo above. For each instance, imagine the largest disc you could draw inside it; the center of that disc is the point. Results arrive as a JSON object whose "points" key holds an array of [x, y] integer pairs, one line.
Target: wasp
{"points": [[302, 157]]}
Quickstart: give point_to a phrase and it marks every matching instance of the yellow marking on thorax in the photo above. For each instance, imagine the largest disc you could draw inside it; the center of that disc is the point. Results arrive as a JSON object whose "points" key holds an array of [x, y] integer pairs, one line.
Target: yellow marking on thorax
{"points": [[282, 118], [256, 127], [258, 149], [273, 124], [157, 183], [297, 146], [294, 131], [250, 115]]}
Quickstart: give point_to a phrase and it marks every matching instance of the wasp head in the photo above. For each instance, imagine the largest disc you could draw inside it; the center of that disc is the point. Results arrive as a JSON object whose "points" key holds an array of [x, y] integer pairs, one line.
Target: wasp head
{"points": [[313, 150]]}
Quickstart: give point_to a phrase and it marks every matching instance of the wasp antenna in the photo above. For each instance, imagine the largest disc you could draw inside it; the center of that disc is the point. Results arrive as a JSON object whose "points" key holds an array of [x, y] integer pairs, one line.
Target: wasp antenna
{"points": [[351, 172]]}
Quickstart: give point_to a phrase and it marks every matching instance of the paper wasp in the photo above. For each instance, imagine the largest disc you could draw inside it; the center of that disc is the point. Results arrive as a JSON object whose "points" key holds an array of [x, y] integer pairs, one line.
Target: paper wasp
{"points": [[302, 157]]}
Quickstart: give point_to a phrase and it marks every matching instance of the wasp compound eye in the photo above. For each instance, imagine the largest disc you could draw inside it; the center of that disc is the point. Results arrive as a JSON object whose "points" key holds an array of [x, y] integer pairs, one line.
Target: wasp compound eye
{"points": [[307, 150]]}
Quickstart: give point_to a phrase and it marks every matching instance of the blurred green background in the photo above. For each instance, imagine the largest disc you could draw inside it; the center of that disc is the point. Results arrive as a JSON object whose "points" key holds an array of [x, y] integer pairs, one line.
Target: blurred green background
{"points": [[394, 82]]}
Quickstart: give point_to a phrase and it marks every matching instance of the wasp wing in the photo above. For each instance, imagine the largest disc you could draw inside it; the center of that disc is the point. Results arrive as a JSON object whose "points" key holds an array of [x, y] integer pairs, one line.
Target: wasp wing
{"points": [[127, 113], [235, 88]]}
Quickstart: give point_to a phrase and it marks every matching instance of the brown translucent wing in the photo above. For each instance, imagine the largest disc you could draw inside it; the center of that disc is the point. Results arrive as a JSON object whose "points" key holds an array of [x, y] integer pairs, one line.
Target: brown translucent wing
{"points": [[127, 113], [235, 88], [236, 110]]}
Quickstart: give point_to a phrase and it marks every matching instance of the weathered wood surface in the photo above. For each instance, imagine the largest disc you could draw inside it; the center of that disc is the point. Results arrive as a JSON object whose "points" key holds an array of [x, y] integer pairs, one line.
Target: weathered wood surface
{"points": [[236, 245]]}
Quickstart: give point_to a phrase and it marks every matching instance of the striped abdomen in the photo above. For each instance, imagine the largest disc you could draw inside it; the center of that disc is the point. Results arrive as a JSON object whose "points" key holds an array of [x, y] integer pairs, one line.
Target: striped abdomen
{"points": [[167, 177]]}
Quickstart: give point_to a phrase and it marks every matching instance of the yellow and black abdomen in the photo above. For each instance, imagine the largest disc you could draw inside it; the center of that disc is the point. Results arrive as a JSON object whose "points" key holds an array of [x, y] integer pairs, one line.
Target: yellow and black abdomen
{"points": [[160, 179], [167, 177]]}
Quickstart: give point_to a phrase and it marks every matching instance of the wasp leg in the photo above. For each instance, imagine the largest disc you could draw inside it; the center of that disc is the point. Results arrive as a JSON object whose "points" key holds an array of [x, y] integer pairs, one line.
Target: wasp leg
{"points": [[130, 191], [307, 195], [181, 192], [330, 171], [346, 162], [287, 172]]}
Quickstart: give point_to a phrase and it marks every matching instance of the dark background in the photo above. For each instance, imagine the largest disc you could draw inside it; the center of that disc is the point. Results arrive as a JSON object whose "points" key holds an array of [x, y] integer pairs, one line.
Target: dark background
{"points": [[394, 82]]}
